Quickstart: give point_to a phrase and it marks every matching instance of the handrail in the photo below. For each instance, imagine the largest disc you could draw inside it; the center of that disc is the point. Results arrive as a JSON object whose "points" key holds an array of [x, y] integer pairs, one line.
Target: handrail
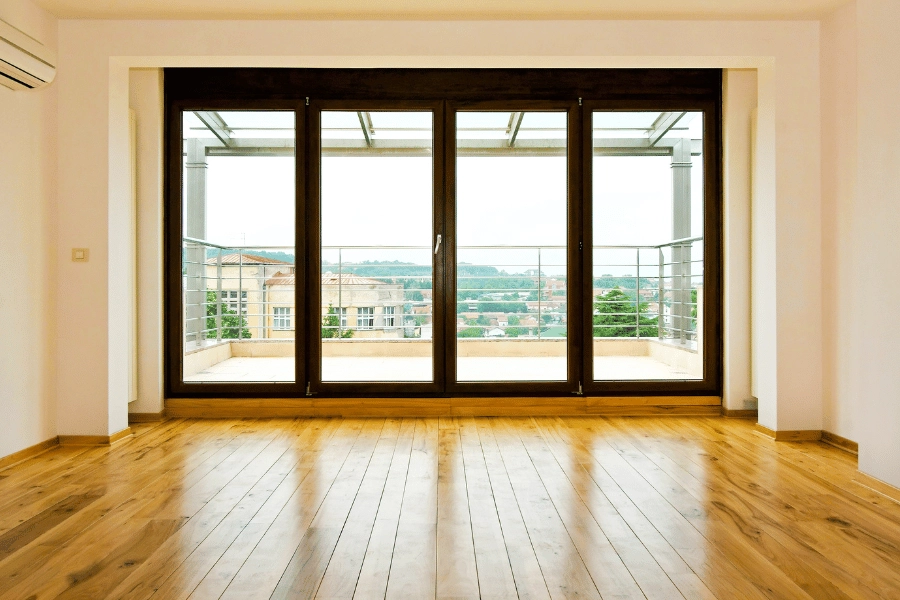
{"points": [[670, 277]]}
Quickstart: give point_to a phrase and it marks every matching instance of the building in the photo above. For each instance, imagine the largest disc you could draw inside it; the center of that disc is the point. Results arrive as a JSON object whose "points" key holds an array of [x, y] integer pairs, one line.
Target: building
{"points": [[249, 277], [811, 92], [369, 307]]}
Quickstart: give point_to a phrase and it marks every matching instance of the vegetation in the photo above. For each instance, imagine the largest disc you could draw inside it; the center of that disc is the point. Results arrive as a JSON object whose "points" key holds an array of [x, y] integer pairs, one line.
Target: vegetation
{"points": [[469, 332], [331, 326], [234, 326], [616, 315]]}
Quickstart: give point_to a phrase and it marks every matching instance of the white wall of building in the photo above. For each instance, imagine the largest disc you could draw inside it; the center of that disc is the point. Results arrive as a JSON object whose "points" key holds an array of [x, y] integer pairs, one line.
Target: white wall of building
{"points": [[28, 247]]}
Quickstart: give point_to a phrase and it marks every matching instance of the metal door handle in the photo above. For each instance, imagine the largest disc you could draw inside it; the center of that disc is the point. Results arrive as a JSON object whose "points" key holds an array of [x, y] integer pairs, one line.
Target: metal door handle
{"points": [[438, 244]]}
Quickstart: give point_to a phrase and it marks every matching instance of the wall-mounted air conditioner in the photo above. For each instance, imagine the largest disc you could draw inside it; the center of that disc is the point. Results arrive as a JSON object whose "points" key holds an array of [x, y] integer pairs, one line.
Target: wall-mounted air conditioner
{"points": [[25, 63]]}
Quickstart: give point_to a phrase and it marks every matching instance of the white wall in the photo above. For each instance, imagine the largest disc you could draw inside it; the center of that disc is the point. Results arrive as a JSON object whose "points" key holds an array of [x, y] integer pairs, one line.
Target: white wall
{"points": [[739, 100], [860, 217], [875, 221], [843, 304], [146, 99], [27, 245], [93, 87]]}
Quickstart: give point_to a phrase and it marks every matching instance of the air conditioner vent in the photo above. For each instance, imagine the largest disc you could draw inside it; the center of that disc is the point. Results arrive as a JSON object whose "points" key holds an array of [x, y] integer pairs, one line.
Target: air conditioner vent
{"points": [[25, 63]]}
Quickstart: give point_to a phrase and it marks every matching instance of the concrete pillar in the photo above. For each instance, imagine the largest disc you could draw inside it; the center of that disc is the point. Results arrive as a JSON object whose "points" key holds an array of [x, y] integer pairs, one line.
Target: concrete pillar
{"points": [[681, 228], [195, 227]]}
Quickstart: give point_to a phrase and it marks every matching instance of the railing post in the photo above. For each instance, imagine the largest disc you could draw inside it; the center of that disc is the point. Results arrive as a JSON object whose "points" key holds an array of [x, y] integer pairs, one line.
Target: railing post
{"points": [[340, 295], [539, 294], [661, 293], [637, 295], [219, 297], [240, 295]]}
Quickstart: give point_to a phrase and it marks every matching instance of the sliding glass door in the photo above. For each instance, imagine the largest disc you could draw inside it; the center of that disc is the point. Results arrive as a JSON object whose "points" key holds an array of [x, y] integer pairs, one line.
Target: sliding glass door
{"points": [[648, 260], [238, 255], [376, 253], [512, 243], [417, 232]]}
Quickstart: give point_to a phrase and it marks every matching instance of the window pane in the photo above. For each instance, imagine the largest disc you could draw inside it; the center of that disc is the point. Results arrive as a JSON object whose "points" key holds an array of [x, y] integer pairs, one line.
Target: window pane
{"points": [[238, 245], [376, 202], [648, 245], [511, 246]]}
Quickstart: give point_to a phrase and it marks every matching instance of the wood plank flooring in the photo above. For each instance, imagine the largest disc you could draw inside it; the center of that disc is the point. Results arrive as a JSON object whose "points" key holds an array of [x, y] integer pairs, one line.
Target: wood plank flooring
{"points": [[456, 507]]}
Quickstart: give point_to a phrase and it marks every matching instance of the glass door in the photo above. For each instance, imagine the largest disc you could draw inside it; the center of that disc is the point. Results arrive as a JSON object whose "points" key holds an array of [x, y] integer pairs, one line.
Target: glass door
{"points": [[377, 247], [511, 247], [238, 254], [647, 259]]}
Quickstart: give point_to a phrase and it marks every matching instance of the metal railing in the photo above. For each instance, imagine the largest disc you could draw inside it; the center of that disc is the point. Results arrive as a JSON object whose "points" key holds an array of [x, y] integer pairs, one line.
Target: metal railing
{"points": [[227, 294], [386, 292], [661, 299]]}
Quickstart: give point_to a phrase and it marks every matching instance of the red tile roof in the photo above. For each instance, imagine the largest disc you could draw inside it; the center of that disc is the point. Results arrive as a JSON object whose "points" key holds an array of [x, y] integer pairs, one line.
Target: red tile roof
{"points": [[327, 279], [236, 258], [350, 279]]}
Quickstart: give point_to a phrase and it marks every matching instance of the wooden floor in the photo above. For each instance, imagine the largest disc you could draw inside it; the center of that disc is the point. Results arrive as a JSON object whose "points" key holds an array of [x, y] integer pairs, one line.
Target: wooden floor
{"points": [[450, 508]]}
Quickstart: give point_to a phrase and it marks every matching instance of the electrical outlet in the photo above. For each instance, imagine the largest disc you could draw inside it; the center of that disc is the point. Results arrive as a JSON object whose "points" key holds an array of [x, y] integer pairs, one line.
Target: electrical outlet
{"points": [[80, 254]]}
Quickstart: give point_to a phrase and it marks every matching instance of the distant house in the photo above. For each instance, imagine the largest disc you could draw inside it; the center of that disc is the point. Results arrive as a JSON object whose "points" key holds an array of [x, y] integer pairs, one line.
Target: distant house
{"points": [[243, 279], [263, 290], [370, 307]]}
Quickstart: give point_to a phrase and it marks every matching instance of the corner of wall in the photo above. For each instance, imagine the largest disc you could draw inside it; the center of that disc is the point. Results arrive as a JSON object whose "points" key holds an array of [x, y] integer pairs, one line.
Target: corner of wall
{"points": [[840, 312]]}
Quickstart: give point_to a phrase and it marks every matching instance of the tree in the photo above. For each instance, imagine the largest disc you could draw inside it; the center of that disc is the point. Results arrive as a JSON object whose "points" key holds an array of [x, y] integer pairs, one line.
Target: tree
{"points": [[469, 332], [616, 316], [512, 330], [331, 326], [233, 326]]}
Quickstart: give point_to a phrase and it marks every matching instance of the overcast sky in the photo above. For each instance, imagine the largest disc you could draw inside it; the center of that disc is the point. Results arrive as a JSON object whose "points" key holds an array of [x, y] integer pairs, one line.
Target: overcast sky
{"points": [[385, 200]]}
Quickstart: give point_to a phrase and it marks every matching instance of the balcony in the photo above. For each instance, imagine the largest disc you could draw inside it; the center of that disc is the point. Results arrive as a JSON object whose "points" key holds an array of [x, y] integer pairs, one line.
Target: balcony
{"points": [[377, 318], [410, 360]]}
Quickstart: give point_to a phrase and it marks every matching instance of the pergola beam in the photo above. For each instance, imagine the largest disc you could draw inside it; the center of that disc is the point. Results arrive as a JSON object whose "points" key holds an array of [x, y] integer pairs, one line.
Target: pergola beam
{"points": [[216, 125], [421, 147], [664, 122], [365, 123], [512, 130]]}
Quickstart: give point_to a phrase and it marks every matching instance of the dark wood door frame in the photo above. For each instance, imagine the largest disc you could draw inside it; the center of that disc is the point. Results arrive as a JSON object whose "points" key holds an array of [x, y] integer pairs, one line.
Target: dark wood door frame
{"points": [[578, 91], [314, 263]]}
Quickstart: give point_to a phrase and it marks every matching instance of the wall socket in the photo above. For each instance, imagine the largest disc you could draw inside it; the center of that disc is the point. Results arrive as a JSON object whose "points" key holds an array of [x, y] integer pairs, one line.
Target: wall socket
{"points": [[80, 254]]}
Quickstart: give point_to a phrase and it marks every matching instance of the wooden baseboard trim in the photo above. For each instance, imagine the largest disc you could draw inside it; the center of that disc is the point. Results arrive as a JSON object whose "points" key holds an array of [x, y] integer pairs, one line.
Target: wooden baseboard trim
{"points": [[146, 417], [873, 483], [211, 408], [740, 414], [807, 435], [655, 411], [94, 440], [26, 453], [842, 443], [650, 401]]}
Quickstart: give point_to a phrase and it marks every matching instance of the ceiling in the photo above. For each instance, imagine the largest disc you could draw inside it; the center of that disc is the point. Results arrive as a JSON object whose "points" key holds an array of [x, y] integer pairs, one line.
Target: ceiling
{"points": [[440, 9]]}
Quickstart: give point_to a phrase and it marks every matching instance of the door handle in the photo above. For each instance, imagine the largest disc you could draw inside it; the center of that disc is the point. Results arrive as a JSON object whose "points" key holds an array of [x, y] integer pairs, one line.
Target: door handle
{"points": [[438, 244]]}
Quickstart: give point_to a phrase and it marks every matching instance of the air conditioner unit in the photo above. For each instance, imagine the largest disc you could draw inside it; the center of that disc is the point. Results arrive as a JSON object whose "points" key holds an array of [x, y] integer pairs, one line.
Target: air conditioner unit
{"points": [[25, 63]]}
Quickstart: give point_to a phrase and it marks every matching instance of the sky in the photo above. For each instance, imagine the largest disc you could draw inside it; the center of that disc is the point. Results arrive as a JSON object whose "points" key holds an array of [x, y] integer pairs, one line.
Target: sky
{"points": [[385, 200]]}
